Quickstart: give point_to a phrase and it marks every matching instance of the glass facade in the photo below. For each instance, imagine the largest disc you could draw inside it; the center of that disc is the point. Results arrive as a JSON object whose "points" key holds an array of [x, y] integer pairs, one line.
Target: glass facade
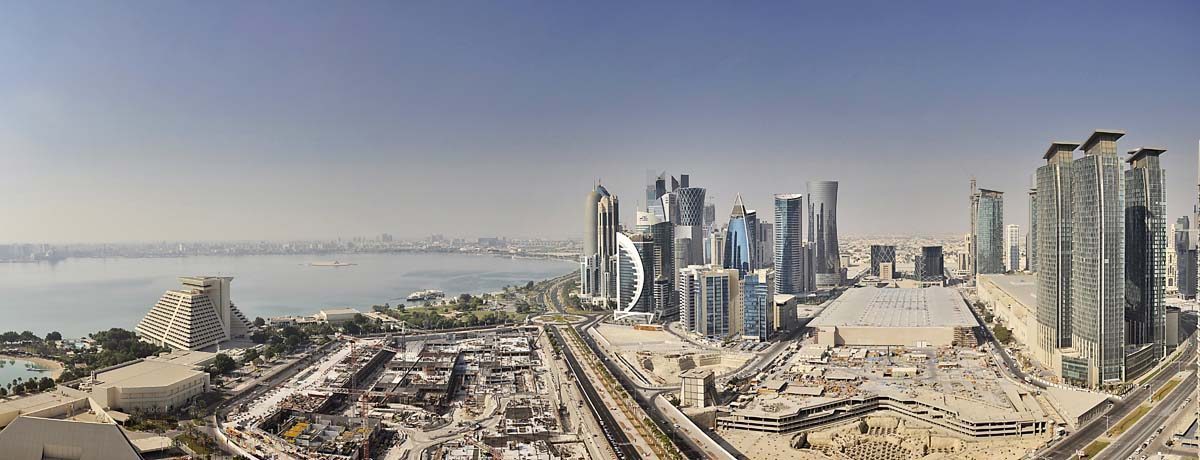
{"points": [[1098, 255], [739, 240], [989, 237], [882, 254], [758, 305], [1054, 249], [930, 264], [822, 231], [789, 244], [1145, 252]]}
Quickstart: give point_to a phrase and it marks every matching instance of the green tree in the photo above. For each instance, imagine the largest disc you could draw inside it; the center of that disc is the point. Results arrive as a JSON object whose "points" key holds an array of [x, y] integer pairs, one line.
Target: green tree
{"points": [[53, 336], [28, 336], [268, 354], [3, 392], [45, 383], [223, 364], [250, 355], [352, 328], [259, 321]]}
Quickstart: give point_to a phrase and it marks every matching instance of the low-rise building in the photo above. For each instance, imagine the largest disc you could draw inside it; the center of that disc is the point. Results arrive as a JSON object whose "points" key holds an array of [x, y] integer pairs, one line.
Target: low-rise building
{"points": [[698, 388], [337, 315], [151, 385]]}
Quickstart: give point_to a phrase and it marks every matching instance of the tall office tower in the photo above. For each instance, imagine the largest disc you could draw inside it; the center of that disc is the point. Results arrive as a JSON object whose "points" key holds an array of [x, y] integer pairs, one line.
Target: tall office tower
{"points": [[1054, 244], [1097, 264], [198, 316], [634, 277], [739, 252], [656, 187], [808, 255], [882, 254], [1031, 253], [1185, 258], [822, 230], [930, 265], [988, 237], [712, 299], [589, 263], [607, 226], [758, 304], [764, 240], [642, 219], [664, 267], [1012, 247], [686, 288], [690, 223], [1145, 253], [752, 233], [789, 244], [970, 266], [710, 215]]}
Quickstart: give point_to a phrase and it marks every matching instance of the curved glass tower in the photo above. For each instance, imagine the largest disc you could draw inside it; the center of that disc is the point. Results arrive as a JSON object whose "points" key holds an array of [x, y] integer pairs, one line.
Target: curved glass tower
{"points": [[822, 232], [738, 240]]}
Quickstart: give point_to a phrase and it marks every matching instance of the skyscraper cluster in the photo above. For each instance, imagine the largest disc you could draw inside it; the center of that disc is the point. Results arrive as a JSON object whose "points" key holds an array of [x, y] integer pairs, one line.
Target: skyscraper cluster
{"points": [[718, 280], [1101, 256]]}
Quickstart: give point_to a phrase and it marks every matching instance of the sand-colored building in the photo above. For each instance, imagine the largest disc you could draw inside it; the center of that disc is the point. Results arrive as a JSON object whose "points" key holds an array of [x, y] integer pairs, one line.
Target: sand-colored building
{"points": [[869, 316]]}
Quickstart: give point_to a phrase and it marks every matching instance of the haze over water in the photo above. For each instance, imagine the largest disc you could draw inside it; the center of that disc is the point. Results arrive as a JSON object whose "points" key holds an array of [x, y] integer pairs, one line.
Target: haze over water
{"points": [[80, 296]]}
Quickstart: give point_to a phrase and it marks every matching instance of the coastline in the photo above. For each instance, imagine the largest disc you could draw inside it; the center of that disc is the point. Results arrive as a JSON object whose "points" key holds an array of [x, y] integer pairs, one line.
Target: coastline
{"points": [[55, 367]]}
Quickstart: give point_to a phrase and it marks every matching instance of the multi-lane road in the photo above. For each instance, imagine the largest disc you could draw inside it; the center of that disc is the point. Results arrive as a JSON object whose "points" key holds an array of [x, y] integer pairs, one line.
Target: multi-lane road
{"points": [[1094, 429], [612, 432], [1140, 432]]}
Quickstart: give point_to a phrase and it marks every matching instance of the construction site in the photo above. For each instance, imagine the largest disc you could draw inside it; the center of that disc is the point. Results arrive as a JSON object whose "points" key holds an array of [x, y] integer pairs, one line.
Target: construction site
{"points": [[478, 394]]}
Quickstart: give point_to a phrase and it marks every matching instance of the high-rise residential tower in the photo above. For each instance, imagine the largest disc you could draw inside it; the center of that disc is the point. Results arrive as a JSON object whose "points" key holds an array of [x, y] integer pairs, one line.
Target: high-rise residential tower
{"points": [[1012, 247], [789, 244], [1097, 264], [589, 263], [930, 265], [1145, 251], [1054, 248], [822, 231], [711, 298]]}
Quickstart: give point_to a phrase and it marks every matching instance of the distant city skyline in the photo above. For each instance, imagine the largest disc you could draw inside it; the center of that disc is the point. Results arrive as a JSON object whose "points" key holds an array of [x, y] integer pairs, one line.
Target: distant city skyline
{"points": [[224, 122]]}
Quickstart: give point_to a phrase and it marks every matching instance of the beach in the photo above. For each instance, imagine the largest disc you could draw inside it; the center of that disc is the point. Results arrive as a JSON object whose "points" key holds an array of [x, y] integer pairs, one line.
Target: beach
{"points": [[55, 367]]}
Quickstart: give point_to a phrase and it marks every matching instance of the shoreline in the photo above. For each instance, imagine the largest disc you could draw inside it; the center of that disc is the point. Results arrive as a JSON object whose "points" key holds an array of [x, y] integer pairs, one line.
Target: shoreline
{"points": [[56, 368]]}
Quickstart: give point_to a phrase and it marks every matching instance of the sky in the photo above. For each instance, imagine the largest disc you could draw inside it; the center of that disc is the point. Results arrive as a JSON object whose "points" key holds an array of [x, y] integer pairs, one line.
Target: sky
{"points": [[223, 120]]}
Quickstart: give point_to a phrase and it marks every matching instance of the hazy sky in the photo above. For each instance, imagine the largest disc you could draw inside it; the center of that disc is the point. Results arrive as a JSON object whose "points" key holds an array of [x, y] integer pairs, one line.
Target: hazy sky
{"points": [[123, 121]]}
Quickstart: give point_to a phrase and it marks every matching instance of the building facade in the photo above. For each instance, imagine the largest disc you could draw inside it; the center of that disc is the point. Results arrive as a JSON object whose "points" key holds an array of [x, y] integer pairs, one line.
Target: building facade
{"points": [[822, 231], [1031, 253], [635, 276], [758, 305], [739, 239], [1145, 251], [198, 316], [1098, 268], [712, 300], [1012, 247], [789, 244], [930, 265], [1185, 258], [987, 236], [1054, 248], [881, 254]]}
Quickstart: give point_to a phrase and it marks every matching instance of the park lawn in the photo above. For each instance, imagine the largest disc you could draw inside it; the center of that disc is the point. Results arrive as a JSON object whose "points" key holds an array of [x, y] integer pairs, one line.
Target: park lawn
{"points": [[1165, 390], [1094, 448], [1128, 421]]}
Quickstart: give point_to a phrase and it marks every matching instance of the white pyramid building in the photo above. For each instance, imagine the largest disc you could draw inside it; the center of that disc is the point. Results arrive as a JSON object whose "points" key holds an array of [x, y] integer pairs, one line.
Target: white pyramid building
{"points": [[196, 317]]}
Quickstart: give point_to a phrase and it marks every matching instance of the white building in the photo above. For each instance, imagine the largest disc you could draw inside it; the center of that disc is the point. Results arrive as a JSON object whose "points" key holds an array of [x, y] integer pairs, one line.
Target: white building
{"points": [[337, 315], [152, 385], [198, 316], [1012, 247]]}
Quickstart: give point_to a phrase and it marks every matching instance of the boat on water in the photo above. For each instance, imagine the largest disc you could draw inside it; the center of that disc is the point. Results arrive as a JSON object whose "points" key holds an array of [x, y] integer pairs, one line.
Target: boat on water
{"points": [[428, 294], [331, 263]]}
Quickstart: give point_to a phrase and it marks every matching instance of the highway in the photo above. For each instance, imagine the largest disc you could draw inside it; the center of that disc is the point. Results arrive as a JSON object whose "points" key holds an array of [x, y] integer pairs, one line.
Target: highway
{"points": [[612, 432], [1094, 429], [1139, 433]]}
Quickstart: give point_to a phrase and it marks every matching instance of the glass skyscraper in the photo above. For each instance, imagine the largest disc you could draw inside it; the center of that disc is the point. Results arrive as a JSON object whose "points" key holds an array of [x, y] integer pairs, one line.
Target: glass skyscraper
{"points": [[1054, 248], [758, 305], [789, 244], [822, 231], [881, 254], [989, 231], [1145, 250], [1098, 259], [739, 241]]}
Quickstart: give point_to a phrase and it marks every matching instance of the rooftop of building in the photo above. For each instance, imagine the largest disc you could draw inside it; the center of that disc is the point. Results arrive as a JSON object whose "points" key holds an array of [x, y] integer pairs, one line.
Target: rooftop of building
{"points": [[1100, 134], [696, 373], [1060, 146], [36, 402], [1022, 287], [188, 358], [897, 307], [340, 311], [148, 373]]}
